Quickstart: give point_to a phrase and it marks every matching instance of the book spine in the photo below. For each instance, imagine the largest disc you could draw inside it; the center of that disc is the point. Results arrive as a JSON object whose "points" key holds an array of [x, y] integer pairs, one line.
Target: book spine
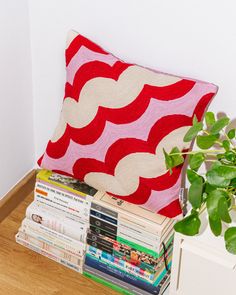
{"points": [[49, 248], [140, 218], [126, 237], [142, 264], [119, 274], [98, 231], [53, 238], [124, 228], [121, 264], [58, 222], [120, 242], [126, 288], [107, 283], [100, 246], [68, 184], [137, 257], [49, 255], [103, 217], [103, 225], [128, 222], [59, 199]]}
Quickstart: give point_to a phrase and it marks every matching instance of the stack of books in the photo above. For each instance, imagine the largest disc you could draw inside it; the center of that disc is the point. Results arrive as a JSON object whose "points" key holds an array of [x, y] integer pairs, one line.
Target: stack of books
{"points": [[119, 244], [129, 248], [57, 221]]}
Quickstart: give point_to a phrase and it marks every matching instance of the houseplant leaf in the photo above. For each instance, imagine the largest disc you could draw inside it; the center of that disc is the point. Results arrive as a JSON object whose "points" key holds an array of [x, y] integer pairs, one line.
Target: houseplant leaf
{"points": [[210, 118], [192, 175], [231, 134], [168, 161], [189, 226], [228, 172], [219, 125], [216, 180], [196, 161], [230, 240], [215, 225], [193, 131], [177, 158], [226, 145], [223, 210], [206, 141], [195, 193]]}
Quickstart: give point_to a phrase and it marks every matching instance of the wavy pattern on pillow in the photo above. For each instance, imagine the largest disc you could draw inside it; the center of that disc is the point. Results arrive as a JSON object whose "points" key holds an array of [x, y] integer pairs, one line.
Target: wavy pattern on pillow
{"points": [[116, 119]]}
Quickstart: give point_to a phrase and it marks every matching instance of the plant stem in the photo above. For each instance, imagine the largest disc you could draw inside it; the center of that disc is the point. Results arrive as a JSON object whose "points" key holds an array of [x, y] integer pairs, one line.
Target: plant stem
{"points": [[199, 151]]}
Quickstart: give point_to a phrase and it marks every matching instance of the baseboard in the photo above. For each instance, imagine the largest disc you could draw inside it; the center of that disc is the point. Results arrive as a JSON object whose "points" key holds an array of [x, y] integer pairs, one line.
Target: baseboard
{"points": [[17, 194]]}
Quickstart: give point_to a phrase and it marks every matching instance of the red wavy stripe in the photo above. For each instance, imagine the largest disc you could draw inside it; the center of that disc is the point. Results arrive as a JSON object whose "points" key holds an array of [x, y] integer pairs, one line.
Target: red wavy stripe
{"points": [[75, 45], [98, 69], [203, 104], [124, 147], [91, 70], [171, 210], [130, 113]]}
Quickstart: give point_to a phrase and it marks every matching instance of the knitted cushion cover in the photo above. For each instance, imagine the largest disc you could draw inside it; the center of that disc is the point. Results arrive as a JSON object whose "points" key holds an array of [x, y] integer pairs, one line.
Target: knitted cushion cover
{"points": [[116, 119]]}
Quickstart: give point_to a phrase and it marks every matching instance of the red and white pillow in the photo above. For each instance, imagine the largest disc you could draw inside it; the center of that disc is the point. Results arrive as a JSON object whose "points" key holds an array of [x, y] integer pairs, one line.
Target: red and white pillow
{"points": [[115, 121]]}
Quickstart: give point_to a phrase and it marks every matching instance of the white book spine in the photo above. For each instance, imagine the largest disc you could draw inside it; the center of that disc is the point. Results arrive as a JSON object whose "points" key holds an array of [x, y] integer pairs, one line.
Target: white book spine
{"points": [[48, 255], [77, 260], [57, 221], [142, 241], [53, 238], [61, 200], [129, 227]]}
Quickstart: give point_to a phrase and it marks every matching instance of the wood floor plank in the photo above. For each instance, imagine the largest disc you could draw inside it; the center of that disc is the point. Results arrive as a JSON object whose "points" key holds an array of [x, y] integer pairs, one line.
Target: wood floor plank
{"points": [[24, 272]]}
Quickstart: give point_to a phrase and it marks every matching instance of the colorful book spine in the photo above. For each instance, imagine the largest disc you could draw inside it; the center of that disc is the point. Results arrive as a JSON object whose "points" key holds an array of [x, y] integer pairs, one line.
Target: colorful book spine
{"points": [[146, 270], [49, 255], [66, 183], [62, 200], [136, 257], [128, 278], [120, 243], [112, 282], [53, 238], [126, 288], [49, 248], [57, 220], [124, 265]]}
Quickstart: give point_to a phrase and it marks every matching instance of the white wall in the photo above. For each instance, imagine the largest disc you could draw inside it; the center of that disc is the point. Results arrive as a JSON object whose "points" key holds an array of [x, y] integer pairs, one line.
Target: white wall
{"points": [[190, 38], [16, 103]]}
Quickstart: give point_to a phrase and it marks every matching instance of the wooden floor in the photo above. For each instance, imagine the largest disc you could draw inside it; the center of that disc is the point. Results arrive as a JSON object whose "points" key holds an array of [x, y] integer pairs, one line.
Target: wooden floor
{"points": [[23, 272]]}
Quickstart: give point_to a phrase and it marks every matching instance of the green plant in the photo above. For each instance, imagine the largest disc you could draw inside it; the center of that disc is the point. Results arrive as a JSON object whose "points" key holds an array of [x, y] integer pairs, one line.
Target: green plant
{"points": [[214, 190]]}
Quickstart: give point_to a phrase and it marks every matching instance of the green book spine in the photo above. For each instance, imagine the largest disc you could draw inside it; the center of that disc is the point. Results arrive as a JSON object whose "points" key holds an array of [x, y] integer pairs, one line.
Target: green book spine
{"points": [[143, 249], [107, 284]]}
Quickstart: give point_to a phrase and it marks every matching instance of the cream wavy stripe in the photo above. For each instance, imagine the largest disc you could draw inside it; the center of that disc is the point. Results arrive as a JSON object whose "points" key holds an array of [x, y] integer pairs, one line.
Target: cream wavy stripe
{"points": [[137, 129], [160, 199], [108, 93], [83, 56], [130, 168]]}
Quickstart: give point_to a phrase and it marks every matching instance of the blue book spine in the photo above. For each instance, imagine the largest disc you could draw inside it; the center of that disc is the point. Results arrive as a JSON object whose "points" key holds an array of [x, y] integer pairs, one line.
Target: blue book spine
{"points": [[128, 278]]}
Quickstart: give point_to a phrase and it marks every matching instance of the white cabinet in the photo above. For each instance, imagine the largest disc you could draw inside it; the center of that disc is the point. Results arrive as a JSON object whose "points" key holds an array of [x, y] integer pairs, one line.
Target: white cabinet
{"points": [[202, 266]]}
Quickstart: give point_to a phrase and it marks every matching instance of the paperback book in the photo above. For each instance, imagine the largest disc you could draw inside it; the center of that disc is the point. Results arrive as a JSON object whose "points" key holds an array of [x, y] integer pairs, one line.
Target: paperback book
{"points": [[141, 218], [76, 260], [48, 255], [57, 220], [53, 238]]}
